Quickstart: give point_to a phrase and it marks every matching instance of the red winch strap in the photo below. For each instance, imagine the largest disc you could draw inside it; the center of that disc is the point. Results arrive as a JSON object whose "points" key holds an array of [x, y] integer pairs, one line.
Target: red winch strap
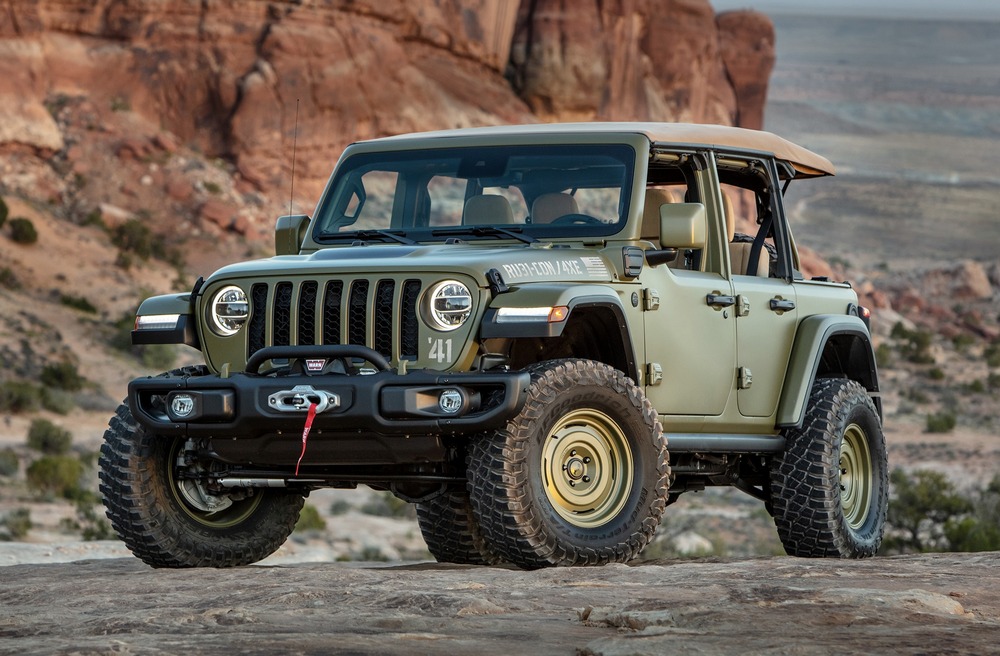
{"points": [[305, 434]]}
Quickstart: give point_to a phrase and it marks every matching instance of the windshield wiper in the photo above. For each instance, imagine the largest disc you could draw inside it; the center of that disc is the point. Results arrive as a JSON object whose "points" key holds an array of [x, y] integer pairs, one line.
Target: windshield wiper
{"points": [[369, 234], [487, 231]]}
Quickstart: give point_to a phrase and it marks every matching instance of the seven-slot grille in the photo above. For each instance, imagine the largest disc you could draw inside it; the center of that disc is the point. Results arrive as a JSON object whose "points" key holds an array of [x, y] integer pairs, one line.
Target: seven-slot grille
{"points": [[380, 314]]}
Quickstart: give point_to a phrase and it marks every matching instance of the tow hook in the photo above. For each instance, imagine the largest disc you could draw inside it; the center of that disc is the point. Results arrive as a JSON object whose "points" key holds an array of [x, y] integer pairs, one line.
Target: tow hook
{"points": [[300, 397]]}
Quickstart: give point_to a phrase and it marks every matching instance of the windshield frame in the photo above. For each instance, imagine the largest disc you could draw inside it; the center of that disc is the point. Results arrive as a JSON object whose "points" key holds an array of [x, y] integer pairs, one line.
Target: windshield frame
{"points": [[629, 149]]}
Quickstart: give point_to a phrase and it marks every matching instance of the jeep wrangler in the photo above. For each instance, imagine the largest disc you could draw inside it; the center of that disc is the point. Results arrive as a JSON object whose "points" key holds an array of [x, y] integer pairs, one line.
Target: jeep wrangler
{"points": [[508, 327]]}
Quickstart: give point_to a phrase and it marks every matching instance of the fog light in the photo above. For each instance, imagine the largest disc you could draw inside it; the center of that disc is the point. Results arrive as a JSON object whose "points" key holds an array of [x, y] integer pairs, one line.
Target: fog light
{"points": [[451, 401], [181, 405]]}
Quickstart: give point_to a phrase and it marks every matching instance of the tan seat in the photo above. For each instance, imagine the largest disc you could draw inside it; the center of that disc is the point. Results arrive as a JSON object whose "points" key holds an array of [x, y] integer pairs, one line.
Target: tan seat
{"points": [[487, 210], [739, 252], [655, 197], [549, 207]]}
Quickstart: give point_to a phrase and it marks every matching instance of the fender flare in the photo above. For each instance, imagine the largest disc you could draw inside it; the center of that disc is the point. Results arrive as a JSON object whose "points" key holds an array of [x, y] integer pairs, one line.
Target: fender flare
{"points": [[574, 296], [811, 340]]}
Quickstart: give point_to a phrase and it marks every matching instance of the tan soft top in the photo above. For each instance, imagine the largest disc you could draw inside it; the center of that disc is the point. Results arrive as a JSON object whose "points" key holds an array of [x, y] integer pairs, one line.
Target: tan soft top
{"points": [[806, 162]]}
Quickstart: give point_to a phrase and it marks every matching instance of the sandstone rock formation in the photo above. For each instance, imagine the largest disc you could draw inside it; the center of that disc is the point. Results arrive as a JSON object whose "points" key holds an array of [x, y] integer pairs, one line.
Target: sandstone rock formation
{"points": [[944, 603], [233, 79]]}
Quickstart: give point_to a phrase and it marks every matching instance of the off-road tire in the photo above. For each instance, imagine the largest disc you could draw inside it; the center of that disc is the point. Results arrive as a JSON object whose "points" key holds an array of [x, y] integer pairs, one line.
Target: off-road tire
{"points": [[452, 532], [148, 516], [814, 515], [529, 525]]}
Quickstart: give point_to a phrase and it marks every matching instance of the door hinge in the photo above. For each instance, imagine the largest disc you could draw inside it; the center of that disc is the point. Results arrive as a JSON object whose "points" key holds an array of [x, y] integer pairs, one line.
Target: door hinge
{"points": [[650, 299], [745, 378], [654, 373]]}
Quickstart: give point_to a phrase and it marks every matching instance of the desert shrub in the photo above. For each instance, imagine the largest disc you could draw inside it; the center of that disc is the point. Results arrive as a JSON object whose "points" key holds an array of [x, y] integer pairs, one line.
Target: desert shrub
{"points": [[23, 231], [9, 462], [18, 396], [58, 401], [935, 373], [94, 218], [55, 476], [8, 279], [212, 187], [963, 341], [915, 344], [941, 422], [386, 505], [976, 387], [78, 303], [310, 520], [62, 375], [992, 355], [339, 507], [4, 212], [993, 381], [134, 236], [883, 355], [91, 525], [920, 506], [15, 524], [48, 438]]}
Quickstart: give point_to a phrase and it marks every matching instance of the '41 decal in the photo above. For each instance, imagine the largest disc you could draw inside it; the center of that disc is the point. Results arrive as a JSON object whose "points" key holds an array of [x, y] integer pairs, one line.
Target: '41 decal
{"points": [[440, 349]]}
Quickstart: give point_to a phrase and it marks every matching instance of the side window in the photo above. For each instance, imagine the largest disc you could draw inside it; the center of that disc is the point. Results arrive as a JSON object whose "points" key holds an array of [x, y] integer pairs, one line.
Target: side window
{"points": [[754, 234]]}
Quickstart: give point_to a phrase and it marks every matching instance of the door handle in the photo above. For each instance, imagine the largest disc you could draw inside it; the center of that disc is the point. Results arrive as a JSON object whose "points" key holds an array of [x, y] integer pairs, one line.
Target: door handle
{"points": [[720, 300], [782, 305]]}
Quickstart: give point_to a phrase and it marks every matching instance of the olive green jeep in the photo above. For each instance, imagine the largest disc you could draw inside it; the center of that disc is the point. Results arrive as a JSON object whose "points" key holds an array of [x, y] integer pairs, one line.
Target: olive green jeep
{"points": [[509, 327]]}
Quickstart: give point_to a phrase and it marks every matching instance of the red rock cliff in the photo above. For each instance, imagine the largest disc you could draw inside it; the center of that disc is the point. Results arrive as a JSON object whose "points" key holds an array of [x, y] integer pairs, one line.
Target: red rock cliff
{"points": [[227, 77]]}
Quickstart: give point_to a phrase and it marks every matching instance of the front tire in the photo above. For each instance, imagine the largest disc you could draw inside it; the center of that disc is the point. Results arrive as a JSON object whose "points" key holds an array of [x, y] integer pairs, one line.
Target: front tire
{"points": [[578, 477], [169, 519], [830, 488], [451, 531]]}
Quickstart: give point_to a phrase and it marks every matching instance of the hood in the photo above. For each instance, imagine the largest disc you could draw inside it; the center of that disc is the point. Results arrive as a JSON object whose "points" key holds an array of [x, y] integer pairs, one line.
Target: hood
{"points": [[516, 263]]}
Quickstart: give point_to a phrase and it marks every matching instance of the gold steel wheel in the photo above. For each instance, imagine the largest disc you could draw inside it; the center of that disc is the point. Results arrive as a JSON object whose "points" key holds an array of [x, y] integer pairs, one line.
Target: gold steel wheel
{"points": [[211, 510], [588, 468], [857, 477]]}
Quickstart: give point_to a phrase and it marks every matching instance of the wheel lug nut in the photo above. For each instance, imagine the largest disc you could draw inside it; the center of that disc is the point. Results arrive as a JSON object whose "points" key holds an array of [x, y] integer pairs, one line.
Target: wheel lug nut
{"points": [[843, 470], [586, 460], [573, 452], [843, 488], [564, 467], [572, 483], [586, 479]]}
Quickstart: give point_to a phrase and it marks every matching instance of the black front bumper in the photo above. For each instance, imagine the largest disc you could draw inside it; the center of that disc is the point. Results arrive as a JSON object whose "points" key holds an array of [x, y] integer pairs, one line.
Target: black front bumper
{"points": [[379, 418]]}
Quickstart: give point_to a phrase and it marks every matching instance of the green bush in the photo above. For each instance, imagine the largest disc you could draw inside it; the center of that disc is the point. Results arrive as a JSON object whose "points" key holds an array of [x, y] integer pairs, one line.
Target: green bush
{"points": [[18, 396], [883, 355], [993, 381], [9, 462], [57, 401], [23, 231], [941, 422], [16, 524], [78, 303], [992, 355], [935, 373], [977, 387], [89, 523], [134, 236], [916, 344], [310, 520], [48, 438], [4, 212], [339, 507], [62, 375], [56, 476], [8, 279], [387, 505]]}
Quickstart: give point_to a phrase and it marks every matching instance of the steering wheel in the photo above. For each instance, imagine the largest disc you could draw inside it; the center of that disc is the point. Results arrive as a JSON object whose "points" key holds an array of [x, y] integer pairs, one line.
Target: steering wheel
{"points": [[576, 219]]}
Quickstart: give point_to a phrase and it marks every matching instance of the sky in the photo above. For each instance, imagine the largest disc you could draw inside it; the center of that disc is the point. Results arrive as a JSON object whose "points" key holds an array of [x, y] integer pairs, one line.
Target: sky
{"points": [[910, 9]]}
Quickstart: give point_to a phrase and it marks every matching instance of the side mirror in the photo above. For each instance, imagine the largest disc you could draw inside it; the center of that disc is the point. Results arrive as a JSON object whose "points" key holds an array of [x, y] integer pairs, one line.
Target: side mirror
{"points": [[683, 226], [289, 232]]}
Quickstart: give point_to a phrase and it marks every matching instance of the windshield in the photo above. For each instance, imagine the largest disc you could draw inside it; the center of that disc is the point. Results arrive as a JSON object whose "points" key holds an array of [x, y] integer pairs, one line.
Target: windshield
{"points": [[537, 191]]}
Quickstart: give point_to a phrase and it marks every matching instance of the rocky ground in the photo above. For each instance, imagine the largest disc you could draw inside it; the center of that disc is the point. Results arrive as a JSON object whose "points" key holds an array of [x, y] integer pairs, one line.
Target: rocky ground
{"points": [[902, 605]]}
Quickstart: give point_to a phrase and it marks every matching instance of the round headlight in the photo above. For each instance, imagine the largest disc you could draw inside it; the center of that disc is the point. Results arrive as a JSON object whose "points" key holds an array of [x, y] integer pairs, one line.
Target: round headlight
{"points": [[229, 310], [449, 305]]}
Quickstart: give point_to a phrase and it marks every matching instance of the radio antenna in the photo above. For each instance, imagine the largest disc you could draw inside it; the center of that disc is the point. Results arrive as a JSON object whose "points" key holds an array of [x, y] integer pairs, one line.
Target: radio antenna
{"points": [[295, 138]]}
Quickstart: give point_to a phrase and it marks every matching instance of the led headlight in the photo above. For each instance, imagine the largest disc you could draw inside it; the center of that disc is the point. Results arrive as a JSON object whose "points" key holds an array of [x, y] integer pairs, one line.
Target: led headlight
{"points": [[449, 305], [229, 310]]}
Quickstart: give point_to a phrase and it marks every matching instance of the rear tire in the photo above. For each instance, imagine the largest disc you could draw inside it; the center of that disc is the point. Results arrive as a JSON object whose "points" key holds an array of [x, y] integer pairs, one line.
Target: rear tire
{"points": [[170, 520], [451, 531], [578, 477], [830, 488]]}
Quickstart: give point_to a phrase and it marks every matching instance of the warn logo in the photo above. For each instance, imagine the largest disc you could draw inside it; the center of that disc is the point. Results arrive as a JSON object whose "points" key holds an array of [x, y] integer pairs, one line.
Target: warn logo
{"points": [[315, 366]]}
